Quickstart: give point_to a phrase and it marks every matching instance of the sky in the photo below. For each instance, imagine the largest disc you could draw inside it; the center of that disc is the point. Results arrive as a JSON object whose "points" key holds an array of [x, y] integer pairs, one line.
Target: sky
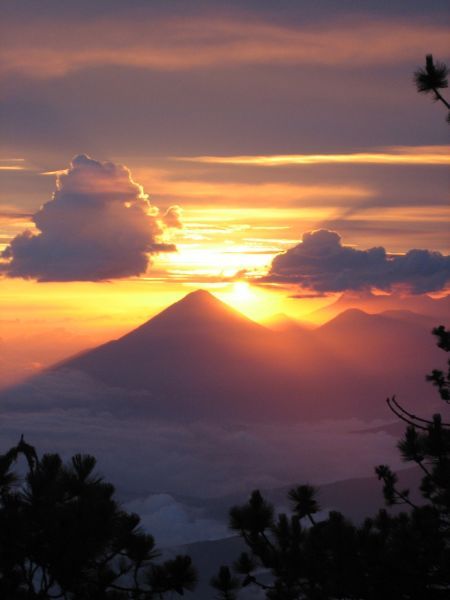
{"points": [[151, 148], [275, 153]]}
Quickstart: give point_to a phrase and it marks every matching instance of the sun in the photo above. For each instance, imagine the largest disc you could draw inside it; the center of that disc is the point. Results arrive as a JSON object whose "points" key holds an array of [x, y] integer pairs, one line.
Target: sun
{"points": [[241, 293], [243, 297], [254, 302]]}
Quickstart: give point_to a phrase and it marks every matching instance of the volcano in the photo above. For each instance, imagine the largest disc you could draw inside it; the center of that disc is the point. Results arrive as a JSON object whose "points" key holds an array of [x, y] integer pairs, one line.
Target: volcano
{"points": [[200, 359], [197, 357]]}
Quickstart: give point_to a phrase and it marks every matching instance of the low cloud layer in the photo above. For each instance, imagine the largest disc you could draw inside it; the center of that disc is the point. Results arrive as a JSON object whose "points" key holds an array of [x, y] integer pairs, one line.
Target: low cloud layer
{"points": [[173, 523], [160, 465], [142, 454], [99, 225], [322, 264]]}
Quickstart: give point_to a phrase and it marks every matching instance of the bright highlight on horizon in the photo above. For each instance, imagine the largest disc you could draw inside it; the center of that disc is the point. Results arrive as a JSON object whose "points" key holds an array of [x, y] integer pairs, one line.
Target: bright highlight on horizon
{"points": [[224, 242], [426, 155], [200, 152]]}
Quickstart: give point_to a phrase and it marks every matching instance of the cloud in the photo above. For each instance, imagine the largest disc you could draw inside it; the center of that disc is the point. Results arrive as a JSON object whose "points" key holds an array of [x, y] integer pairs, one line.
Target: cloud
{"points": [[173, 523], [47, 50], [142, 454], [395, 155], [322, 264], [146, 445], [159, 468], [14, 214], [99, 225], [172, 217]]}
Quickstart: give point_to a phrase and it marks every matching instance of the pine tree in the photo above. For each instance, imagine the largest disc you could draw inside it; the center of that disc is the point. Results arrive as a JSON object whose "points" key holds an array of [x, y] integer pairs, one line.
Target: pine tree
{"points": [[431, 79], [400, 557], [63, 535]]}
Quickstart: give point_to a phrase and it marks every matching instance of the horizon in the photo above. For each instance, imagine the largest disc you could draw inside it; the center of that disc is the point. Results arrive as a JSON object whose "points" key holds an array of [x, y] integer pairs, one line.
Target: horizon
{"points": [[228, 176], [241, 298], [224, 249]]}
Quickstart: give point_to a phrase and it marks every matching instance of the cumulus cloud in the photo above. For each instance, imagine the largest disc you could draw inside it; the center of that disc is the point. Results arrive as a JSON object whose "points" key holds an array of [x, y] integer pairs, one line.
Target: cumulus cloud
{"points": [[322, 264], [172, 217], [99, 225]]}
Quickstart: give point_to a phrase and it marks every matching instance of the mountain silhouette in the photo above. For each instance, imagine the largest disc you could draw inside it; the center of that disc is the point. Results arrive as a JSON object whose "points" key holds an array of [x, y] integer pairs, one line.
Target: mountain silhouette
{"points": [[198, 312], [366, 334], [284, 323], [199, 358], [438, 308]]}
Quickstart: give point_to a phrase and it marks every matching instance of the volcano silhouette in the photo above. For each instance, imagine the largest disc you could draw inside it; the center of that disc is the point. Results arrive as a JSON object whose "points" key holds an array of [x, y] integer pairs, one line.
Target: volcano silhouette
{"points": [[197, 357], [201, 359]]}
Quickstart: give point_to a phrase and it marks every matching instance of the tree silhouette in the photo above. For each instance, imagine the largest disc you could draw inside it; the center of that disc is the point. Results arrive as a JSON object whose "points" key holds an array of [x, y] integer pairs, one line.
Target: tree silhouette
{"points": [[391, 557], [226, 584], [63, 535], [431, 79], [406, 556], [305, 502]]}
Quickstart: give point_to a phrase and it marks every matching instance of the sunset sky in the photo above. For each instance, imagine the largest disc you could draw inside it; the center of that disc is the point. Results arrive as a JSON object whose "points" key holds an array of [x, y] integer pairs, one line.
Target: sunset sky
{"points": [[219, 135]]}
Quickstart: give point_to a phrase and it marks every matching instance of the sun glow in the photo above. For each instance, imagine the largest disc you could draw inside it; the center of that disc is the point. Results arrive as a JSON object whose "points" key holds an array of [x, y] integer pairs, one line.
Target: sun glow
{"points": [[253, 301], [396, 155], [241, 293]]}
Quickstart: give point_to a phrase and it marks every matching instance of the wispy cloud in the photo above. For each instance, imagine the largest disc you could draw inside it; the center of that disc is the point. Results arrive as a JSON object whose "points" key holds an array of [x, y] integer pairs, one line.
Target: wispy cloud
{"points": [[12, 164], [395, 155], [14, 214], [191, 190], [199, 42]]}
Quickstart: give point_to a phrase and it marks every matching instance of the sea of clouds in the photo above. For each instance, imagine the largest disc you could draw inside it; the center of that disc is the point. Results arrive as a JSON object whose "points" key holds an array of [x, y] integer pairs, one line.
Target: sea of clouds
{"points": [[155, 464]]}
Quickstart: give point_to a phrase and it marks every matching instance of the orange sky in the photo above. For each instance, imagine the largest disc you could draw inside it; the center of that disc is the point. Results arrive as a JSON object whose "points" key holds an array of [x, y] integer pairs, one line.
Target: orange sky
{"points": [[232, 229], [259, 125]]}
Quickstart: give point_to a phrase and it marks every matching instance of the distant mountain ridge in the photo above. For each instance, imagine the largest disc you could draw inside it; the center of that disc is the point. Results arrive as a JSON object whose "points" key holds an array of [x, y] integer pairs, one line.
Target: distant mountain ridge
{"points": [[355, 498], [438, 308], [199, 358], [285, 323]]}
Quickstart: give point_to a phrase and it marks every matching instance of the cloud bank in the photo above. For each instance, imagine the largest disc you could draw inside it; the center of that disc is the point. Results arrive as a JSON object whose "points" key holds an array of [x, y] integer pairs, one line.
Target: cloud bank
{"points": [[322, 264], [157, 466], [99, 225], [143, 454]]}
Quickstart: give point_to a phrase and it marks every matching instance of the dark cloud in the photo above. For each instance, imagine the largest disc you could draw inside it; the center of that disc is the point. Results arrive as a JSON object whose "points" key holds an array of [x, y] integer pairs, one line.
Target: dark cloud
{"points": [[308, 295], [99, 225], [322, 264]]}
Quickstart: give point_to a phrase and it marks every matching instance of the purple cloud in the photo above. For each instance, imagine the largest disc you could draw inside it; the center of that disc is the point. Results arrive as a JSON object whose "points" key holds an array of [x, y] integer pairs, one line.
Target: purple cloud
{"points": [[99, 225], [322, 264]]}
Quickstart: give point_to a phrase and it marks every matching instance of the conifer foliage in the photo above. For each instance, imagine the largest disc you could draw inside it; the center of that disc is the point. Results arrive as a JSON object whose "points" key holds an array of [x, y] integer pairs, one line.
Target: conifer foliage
{"points": [[63, 535], [431, 79], [394, 557]]}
